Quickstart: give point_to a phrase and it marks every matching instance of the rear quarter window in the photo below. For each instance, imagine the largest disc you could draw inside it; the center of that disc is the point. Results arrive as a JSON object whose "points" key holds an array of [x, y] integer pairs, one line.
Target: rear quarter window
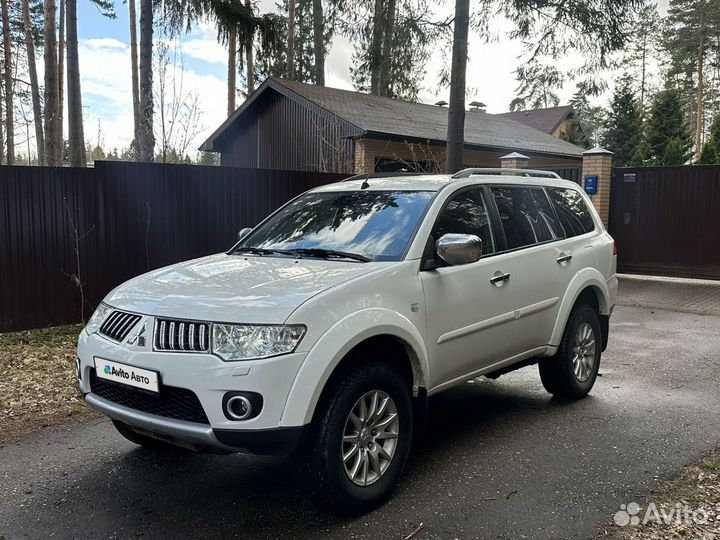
{"points": [[573, 214]]}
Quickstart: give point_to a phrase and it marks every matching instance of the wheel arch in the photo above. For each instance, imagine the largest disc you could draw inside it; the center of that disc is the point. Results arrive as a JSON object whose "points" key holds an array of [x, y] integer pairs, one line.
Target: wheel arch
{"points": [[588, 286], [372, 331]]}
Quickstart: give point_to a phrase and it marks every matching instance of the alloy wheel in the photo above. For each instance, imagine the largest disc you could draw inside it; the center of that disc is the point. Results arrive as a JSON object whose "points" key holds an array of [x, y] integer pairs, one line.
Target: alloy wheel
{"points": [[370, 438]]}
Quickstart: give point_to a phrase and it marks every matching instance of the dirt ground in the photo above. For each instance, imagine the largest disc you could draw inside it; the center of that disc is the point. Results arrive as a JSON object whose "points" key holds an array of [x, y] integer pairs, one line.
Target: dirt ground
{"points": [[38, 388]]}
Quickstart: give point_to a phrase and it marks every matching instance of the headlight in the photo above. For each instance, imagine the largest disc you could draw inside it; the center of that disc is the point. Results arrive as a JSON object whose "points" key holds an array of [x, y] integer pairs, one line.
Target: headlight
{"points": [[243, 342], [97, 318]]}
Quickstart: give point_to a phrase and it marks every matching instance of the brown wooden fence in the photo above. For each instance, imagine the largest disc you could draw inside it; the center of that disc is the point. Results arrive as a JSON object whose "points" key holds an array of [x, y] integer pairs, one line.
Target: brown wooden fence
{"points": [[666, 220], [128, 218]]}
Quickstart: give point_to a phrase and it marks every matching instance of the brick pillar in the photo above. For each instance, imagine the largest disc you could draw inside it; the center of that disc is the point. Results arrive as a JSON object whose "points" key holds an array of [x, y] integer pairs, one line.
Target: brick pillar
{"points": [[514, 161], [598, 162], [364, 161]]}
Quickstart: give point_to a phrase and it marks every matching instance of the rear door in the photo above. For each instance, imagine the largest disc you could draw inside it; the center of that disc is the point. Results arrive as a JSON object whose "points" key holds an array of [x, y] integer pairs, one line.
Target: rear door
{"points": [[538, 256]]}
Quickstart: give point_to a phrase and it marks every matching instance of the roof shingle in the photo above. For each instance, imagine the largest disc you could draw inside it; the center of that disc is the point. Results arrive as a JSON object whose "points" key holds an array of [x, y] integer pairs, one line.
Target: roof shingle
{"points": [[382, 115]]}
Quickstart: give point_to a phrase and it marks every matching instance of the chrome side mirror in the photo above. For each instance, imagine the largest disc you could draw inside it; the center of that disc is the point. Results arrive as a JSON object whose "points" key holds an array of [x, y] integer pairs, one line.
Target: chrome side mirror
{"points": [[244, 232], [457, 249]]}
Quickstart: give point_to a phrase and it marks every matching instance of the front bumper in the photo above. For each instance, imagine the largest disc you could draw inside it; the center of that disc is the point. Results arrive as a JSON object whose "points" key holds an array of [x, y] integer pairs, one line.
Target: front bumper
{"points": [[200, 436], [210, 379]]}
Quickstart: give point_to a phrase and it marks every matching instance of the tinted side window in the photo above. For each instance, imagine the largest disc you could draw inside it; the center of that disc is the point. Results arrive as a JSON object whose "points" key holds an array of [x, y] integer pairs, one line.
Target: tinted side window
{"points": [[466, 213], [573, 214], [524, 221]]}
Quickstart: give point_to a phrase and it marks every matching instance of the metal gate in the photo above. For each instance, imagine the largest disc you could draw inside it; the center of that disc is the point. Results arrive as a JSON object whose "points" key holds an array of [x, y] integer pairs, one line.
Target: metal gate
{"points": [[666, 220], [568, 173]]}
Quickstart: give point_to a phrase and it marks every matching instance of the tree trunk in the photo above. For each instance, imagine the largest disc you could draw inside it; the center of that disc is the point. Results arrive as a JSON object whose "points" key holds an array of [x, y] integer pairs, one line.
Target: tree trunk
{"points": [[61, 81], [456, 112], [8, 82], [387, 55], [76, 133], [700, 96], [319, 42], [291, 40], [376, 49], [146, 143], [52, 145], [34, 85], [232, 69], [250, 57], [132, 13]]}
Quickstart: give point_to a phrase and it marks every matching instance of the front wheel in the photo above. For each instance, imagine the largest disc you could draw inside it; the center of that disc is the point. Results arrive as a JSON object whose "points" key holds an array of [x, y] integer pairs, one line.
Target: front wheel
{"points": [[362, 439], [572, 372]]}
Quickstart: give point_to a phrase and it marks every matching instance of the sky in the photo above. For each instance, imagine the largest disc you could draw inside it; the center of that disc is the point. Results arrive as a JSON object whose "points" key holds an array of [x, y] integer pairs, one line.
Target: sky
{"points": [[106, 84]]}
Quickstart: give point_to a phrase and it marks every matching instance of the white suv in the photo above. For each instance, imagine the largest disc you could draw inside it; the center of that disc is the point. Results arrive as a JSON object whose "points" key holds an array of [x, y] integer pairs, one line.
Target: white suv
{"points": [[323, 331]]}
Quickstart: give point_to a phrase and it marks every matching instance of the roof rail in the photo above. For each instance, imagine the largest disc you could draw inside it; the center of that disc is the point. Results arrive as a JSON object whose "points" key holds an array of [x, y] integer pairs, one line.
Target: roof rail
{"points": [[465, 173], [384, 175]]}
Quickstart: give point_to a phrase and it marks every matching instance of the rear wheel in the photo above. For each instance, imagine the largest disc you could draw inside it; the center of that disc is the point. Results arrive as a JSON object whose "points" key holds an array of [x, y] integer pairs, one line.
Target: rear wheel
{"points": [[361, 440], [572, 372]]}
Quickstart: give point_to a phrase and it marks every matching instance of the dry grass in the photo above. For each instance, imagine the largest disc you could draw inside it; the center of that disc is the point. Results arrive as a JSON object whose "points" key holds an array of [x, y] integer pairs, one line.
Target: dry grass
{"points": [[37, 381], [696, 487]]}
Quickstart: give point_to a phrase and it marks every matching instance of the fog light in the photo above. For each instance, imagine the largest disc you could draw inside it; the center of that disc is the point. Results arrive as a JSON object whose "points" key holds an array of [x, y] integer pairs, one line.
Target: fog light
{"points": [[78, 371], [242, 405], [239, 407]]}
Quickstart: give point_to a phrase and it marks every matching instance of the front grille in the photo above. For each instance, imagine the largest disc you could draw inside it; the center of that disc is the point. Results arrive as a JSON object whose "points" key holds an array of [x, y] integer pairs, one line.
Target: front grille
{"points": [[118, 325], [171, 402], [182, 336]]}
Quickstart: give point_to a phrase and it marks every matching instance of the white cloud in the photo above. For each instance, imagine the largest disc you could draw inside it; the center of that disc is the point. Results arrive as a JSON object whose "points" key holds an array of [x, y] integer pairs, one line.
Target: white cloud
{"points": [[106, 43], [207, 50]]}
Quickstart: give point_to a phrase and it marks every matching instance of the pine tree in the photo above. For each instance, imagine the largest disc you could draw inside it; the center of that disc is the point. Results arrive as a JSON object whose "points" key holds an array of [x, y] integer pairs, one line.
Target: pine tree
{"points": [[711, 151], [623, 127], [643, 154], [667, 122], [690, 39]]}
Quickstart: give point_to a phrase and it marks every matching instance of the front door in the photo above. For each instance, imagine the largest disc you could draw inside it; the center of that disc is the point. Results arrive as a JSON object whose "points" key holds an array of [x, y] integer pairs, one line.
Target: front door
{"points": [[470, 306]]}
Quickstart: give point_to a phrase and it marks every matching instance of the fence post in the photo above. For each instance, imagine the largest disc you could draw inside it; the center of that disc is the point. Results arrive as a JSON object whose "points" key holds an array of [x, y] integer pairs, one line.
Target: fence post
{"points": [[514, 161], [598, 162]]}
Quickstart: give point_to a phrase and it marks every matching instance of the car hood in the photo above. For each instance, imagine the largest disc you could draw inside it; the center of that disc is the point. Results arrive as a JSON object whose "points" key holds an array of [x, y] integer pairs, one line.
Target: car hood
{"points": [[233, 288]]}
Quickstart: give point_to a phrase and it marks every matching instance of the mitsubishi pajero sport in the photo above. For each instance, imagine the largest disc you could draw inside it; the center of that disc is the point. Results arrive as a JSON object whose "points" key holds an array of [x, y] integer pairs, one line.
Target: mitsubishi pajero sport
{"points": [[323, 331]]}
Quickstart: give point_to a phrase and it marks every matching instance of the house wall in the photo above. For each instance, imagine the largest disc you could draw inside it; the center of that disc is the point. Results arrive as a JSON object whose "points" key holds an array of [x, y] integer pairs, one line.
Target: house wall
{"points": [[562, 127], [277, 132], [368, 151]]}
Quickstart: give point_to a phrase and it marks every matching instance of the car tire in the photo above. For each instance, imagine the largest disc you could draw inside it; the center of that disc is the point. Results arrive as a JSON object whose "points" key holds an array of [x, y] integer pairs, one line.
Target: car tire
{"points": [[329, 474], [145, 441], [572, 371]]}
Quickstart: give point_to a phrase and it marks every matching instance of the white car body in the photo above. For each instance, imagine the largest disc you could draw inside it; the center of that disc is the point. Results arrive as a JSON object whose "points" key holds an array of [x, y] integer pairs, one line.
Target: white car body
{"points": [[454, 324]]}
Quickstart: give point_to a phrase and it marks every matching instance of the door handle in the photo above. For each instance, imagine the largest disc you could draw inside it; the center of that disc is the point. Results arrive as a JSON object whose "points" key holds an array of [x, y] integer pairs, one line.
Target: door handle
{"points": [[500, 278], [564, 258]]}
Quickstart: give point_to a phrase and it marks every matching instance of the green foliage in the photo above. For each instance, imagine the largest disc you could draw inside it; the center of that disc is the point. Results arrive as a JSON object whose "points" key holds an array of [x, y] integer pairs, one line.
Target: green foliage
{"points": [[594, 28], [643, 154], [208, 158], [644, 45], [711, 150], [689, 24], [537, 85], [270, 43], [623, 127], [666, 124], [410, 46], [590, 118], [674, 153]]}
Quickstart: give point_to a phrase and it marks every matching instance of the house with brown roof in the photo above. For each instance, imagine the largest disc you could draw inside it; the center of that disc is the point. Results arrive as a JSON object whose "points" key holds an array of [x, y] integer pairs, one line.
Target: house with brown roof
{"points": [[295, 126], [557, 121]]}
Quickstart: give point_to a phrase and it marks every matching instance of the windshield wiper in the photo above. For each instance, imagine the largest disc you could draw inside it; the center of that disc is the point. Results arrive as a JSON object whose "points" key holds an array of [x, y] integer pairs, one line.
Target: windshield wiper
{"points": [[329, 254], [263, 251]]}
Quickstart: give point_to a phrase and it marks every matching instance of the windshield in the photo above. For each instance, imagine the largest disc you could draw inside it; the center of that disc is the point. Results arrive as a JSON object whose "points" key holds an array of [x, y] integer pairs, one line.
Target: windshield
{"points": [[373, 224]]}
